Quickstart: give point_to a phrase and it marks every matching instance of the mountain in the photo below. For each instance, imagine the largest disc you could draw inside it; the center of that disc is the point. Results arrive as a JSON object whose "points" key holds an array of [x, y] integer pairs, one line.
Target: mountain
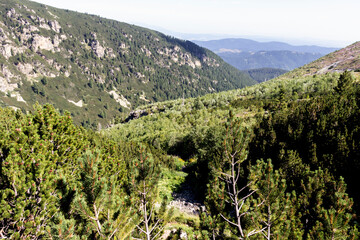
{"points": [[286, 60], [254, 46], [345, 59], [248, 54], [98, 68]]}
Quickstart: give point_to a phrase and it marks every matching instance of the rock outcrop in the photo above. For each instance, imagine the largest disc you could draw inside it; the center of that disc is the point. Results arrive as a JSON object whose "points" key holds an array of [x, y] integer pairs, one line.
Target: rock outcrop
{"points": [[186, 201], [42, 43], [55, 26]]}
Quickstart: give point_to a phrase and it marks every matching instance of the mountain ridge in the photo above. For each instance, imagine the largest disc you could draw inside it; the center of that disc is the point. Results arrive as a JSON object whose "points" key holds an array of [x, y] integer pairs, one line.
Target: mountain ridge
{"points": [[286, 60], [252, 45]]}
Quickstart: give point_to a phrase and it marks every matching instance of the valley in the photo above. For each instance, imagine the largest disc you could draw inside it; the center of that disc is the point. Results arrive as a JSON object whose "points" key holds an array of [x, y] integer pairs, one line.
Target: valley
{"points": [[113, 131], [264, 57]]}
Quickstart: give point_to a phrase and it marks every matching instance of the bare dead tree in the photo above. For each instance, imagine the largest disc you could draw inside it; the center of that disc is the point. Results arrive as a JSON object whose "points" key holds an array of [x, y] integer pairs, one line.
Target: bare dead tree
{"points": [[146, 175], [235, 153], [148, 229]]}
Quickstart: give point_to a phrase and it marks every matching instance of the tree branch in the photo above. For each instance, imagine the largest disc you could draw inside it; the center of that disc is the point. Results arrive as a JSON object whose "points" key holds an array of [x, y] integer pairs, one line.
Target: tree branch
{"points": [[228, 220]]}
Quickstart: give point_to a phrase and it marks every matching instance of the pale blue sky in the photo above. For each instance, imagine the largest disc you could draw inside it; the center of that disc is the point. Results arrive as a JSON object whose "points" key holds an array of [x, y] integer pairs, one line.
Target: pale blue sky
{"points": [[324, 22]]}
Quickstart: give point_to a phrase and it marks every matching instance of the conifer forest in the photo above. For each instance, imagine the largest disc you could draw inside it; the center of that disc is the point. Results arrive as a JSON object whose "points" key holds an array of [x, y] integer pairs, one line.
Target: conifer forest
{"points": [[173, 144]]}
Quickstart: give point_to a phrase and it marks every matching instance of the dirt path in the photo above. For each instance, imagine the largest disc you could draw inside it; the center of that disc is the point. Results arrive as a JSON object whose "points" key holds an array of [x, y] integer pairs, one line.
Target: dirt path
{"points": [[186, 202]]}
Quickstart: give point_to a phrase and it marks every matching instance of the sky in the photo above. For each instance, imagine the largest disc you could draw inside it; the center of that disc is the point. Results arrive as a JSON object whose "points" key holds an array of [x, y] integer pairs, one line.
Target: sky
{"points": [[331, 23]]}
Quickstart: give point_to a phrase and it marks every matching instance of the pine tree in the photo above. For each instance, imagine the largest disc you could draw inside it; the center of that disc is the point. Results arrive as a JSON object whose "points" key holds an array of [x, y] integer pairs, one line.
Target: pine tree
{"points": [[344, 83], [100, 201], [335, 216], [229, 193], [281, 98], [62, 229], [324, 207], [210, 226], [33, 148], [144, 178], [271, 205]]}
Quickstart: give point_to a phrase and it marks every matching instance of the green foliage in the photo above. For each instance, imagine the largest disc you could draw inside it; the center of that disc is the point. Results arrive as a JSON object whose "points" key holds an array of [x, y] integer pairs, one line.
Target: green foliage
{"points": [[345, 83], [52, 185], [330, 212], [59, 181], [144, 178], [271, 204], [322, 131], [170, 182], [228, 195], [105, 210], [34, 148], [319, 132], [265, 74], [301, 124]]}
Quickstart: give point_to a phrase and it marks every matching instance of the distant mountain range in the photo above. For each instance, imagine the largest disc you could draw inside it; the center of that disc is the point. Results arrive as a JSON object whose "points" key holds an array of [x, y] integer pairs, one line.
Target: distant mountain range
{"points": [[247, 54], [224, 45], [286, 60]]}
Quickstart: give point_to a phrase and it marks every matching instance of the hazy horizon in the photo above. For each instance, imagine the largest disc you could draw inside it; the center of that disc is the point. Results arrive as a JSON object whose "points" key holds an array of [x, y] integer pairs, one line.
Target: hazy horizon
{"points": [[258, 38], [326, 23]]}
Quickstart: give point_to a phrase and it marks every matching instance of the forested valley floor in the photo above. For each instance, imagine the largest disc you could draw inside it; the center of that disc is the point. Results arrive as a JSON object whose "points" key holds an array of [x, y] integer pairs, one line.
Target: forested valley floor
{"points": [[279, 160]]}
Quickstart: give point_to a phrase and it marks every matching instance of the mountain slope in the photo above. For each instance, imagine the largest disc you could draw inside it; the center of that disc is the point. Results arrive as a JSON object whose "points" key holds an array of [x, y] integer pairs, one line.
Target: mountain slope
{"points": [[345, 59], [97, 68], [298, 83], [265, 74], [286, 60]]}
